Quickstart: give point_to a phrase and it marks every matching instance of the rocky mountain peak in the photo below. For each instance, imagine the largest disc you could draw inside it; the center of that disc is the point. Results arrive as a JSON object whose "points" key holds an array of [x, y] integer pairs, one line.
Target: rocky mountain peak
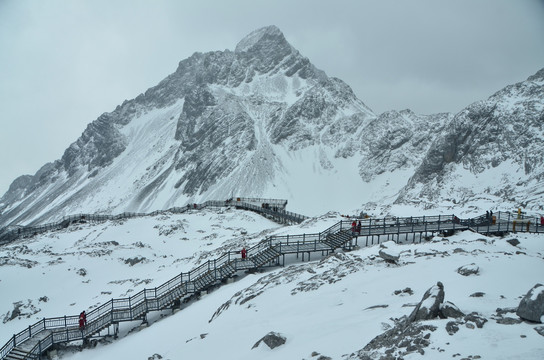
{"points": [[538, 76], [266, 37]]}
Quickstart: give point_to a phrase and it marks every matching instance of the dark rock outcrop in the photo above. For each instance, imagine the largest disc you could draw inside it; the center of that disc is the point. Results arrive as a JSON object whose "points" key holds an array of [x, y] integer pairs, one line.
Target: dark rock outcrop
{"points": [[272, 340], [531, 307], [429, 306]]}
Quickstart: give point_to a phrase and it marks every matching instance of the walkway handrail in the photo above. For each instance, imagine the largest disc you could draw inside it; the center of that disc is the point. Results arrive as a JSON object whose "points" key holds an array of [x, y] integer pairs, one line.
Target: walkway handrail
{"points": [[11, 233]]}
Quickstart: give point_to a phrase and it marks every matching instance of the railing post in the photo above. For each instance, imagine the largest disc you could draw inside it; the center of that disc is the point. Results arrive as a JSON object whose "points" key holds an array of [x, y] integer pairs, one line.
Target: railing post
{"points": [[14, 341], [65, 325], [439, 222], [29, 331]]}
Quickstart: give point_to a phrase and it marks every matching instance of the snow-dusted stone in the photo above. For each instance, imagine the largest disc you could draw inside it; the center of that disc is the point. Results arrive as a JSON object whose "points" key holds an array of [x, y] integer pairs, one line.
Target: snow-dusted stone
{"points": [[429, 306], [531, 307], [388, 252], [272, 340], [389, 255], [540, 330], [467, 270], [449, 310]]}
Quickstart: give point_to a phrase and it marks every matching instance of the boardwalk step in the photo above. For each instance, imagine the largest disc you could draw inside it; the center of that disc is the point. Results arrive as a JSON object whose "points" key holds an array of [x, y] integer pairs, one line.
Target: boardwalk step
{"points": [[17, 354]]}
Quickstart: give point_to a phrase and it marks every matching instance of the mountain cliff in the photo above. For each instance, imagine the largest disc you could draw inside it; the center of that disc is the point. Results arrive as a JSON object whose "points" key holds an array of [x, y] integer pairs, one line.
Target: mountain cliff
{"points": [[263, 121]]}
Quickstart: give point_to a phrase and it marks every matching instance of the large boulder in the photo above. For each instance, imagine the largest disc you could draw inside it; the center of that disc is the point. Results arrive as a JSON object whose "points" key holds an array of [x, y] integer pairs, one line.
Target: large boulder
{"points": [[429, 306], [388, 252], [450, 310], [272, 340], [531, 307]]}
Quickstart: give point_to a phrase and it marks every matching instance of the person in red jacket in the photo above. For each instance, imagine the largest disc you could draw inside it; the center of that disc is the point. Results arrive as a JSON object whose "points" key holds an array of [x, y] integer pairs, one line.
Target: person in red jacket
{"points": [[244, 253], [82, 320]]}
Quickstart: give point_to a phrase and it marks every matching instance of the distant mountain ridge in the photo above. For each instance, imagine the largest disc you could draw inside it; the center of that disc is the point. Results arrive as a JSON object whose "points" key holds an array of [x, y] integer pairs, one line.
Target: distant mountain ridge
{"points": [[263, 121]]}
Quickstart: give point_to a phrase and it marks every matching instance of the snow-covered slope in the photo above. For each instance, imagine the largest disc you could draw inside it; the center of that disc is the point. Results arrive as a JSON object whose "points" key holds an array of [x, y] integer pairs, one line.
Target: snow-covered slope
{"points": [[331, 307]]}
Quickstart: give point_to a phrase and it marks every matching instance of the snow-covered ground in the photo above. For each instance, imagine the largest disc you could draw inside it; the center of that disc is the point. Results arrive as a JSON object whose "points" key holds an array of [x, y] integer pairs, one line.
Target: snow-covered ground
{"points": [[330, 307]]}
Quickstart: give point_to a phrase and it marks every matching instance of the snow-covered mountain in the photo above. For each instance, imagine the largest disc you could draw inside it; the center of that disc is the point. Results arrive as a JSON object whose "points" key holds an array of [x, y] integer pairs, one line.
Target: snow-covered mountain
{"points": [[262, 121], [345, 305], [491, 151]]}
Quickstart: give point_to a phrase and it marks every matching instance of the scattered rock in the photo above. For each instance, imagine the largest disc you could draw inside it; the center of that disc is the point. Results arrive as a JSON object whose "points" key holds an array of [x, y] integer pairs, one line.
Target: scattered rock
{"points": [[405, 291], [508, 321], [477, 319], [376, 307], [429, 307], [272, 340], [531, 307], [502, 312], [154, 357], [468, 270], [513, 242], [82, 272], [452, 327], [477, 294], [540, 330], [404, 338], [135, 260]]}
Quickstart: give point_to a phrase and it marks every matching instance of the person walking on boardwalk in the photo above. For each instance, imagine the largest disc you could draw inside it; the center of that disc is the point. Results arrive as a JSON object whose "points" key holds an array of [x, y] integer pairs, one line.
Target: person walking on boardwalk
{"points": [[244, 253], [353, 227], [359, 227], [82, 320]]}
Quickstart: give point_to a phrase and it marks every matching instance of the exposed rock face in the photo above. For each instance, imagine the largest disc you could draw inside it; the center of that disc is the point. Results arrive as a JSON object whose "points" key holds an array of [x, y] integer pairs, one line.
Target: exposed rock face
{"points": [[531, 307], [272, 340]]}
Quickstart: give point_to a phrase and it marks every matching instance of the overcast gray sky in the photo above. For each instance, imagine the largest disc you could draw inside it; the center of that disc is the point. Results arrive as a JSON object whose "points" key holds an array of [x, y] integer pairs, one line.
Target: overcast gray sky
{"points": [[64, 62]]}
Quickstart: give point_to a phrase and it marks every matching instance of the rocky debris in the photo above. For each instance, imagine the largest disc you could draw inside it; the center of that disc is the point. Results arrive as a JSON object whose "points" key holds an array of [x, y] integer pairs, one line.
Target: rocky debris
{"points": [[404, 292], [399, 341], [467, 270], [531, 307], [21, 310], [155, 357], [429, 306], [12, 261], [272, 340], [513, 242], [540, 330], [321, 357], [81, 272], [477, 294], [135, 260], [508, 321], [452, 327], [476, 319]]}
